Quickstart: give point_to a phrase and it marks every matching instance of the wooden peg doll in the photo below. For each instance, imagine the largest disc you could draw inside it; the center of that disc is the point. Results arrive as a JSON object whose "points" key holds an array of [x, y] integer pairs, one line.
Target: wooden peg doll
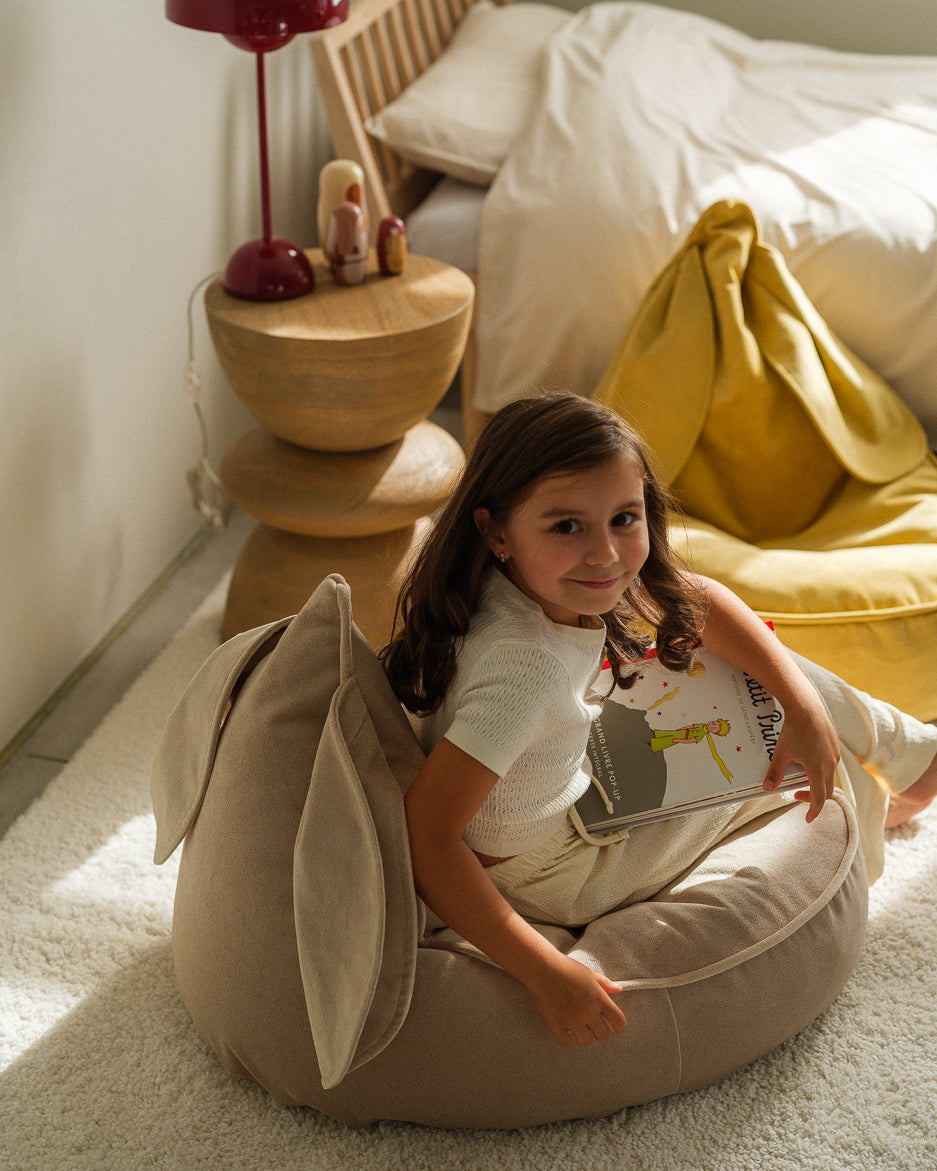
{"points": [[346, 244], [391, 245], [340, 181]]}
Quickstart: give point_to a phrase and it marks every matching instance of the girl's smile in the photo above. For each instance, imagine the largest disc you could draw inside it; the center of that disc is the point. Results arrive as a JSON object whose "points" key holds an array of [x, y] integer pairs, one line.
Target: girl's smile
{"points": [[577, 541], [605, 584]]}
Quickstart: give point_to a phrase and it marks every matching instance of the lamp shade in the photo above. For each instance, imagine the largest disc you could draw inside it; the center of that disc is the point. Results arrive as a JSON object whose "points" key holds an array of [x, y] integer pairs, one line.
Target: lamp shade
{"points": [[257, 25]]}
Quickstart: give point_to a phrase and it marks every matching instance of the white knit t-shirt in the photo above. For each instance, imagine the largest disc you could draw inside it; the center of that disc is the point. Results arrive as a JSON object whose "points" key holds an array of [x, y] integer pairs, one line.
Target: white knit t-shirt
{"points": [[521, 703]]}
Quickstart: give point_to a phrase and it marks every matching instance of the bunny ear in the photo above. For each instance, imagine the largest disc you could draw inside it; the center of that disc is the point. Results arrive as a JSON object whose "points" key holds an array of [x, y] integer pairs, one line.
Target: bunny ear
{"points": [[189, 742], [358, 921]]}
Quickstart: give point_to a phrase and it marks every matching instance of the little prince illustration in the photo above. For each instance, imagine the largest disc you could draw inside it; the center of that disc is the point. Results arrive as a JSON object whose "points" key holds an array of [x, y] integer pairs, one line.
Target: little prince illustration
{"points": [[663, 738]]}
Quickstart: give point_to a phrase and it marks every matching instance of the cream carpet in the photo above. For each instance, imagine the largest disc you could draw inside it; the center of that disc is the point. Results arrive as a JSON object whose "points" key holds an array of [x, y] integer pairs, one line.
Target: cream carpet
{"points": [[102, 1069]]}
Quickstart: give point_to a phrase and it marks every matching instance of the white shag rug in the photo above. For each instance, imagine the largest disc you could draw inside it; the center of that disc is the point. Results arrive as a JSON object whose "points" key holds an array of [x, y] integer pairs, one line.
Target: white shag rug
{"points": [[101, 1068]]}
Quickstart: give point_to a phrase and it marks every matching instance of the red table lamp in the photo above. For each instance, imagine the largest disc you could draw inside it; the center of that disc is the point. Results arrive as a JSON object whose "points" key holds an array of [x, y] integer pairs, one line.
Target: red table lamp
{"points": [[270, 268]]}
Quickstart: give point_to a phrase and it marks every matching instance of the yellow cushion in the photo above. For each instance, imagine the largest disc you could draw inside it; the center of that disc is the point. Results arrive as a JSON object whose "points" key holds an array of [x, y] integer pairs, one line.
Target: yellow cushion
{"points": [[856, 591]]}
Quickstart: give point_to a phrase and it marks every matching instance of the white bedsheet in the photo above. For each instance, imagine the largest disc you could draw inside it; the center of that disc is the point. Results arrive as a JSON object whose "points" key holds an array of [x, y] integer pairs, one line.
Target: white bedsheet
{"points": [[447, 224], [648, 116]]}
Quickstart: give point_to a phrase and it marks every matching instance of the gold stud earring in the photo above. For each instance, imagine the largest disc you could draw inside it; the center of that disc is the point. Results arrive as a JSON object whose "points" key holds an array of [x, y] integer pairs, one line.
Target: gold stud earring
{"points": [[502, 557]]}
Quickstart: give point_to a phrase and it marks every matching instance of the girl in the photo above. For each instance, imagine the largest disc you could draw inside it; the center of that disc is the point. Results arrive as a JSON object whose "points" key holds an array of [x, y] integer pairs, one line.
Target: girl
{"points": [[551, 555]]}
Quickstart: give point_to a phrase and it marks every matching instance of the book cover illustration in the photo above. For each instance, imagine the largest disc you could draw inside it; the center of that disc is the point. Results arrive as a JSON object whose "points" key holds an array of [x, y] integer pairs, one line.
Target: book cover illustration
{"points": [[677, 741]]}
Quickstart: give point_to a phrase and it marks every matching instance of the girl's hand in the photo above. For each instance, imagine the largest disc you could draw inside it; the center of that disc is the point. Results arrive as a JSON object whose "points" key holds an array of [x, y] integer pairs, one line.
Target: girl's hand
{"points": [[809, 739], [575, 1002]]}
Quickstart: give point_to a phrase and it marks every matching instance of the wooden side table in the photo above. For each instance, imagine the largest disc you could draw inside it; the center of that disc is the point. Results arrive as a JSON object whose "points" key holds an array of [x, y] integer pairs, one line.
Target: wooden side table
{"points": [[345, 469]]}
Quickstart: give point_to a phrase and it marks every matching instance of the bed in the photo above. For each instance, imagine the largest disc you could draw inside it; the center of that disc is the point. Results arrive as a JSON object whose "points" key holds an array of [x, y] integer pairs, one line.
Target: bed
{"points": [[571, 162], [550, 154]]}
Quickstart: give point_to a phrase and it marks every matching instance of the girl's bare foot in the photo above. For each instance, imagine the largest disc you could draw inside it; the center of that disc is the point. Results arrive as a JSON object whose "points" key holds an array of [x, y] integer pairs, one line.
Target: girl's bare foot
{"points": [[903, 806]]}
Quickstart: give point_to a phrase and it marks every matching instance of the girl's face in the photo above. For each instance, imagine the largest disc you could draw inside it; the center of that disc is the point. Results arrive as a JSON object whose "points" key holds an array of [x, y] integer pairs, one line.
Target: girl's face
{"points": [[577, 542]]}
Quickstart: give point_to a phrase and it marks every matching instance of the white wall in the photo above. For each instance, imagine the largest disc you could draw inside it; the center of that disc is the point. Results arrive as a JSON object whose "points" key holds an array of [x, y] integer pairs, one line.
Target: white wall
{"points": [[128, 171], [860, 26]]}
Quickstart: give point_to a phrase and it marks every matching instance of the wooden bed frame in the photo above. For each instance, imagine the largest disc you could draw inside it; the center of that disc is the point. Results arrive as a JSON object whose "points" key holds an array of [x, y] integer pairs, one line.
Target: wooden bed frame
{"points": [[361, 66]]}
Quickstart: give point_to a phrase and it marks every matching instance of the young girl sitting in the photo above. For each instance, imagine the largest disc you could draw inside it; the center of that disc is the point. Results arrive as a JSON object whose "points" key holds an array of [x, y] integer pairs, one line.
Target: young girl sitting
{"points": [[551, 556]]}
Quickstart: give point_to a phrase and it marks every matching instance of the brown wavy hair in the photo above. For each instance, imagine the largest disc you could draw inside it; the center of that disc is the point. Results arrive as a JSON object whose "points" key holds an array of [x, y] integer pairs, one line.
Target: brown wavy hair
{"points": [[522, 444]]}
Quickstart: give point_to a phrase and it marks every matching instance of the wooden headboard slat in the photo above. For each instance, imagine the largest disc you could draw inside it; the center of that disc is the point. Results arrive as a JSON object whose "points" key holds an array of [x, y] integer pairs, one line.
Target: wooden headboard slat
{"points": [[418, 55], [374, 81], [398, 49], [445, 18], [428, 27]]}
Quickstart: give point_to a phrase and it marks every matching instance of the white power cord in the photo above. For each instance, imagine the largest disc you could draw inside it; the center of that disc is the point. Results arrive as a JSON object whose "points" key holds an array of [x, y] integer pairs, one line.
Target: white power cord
{"points": [[211, 500]]}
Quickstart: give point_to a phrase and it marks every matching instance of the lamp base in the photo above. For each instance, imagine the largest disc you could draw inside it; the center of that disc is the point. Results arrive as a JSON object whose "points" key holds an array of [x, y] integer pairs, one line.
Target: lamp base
{"points": [[269, 270]]}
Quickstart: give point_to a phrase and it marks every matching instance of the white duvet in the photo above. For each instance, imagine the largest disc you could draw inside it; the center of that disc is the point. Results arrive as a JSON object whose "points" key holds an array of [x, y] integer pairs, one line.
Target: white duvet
{"points": [[650, 115]]}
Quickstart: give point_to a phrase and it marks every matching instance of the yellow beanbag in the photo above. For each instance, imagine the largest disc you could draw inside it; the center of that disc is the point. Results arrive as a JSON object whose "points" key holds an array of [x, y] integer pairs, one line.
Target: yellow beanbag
{"points": [[806, 481]]}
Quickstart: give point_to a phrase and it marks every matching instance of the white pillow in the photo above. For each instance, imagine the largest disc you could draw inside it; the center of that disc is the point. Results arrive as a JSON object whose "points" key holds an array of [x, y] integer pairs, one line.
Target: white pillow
{"points": [[462, 115]]}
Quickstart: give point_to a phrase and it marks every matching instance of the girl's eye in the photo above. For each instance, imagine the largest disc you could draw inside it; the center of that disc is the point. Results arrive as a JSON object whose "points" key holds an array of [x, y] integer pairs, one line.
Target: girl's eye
{"points": [[566, 527], [623, 519]]}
